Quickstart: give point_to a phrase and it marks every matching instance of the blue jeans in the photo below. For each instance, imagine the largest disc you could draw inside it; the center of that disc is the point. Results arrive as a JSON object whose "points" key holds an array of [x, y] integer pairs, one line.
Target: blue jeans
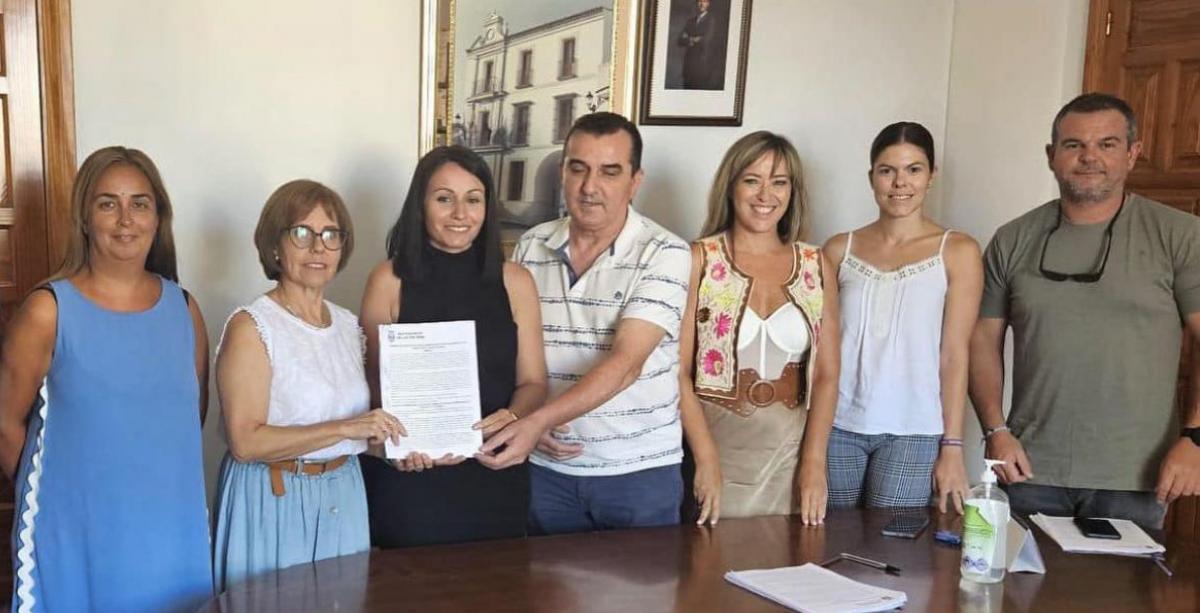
{"points": [[1142, 508], [563, 503]]}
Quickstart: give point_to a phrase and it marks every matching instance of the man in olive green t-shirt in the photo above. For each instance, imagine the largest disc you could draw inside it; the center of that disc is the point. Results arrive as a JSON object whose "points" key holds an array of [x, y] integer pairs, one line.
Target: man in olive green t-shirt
{"points": [[1095, 286]]}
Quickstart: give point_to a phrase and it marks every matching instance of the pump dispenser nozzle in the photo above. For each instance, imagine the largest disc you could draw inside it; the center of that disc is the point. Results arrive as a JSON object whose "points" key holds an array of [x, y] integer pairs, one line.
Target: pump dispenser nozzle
{"points": [[989, 476]]}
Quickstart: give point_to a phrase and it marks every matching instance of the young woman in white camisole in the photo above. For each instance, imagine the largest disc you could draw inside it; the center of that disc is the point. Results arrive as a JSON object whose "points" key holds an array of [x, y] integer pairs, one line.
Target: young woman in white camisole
{"points": [[909, 293]]}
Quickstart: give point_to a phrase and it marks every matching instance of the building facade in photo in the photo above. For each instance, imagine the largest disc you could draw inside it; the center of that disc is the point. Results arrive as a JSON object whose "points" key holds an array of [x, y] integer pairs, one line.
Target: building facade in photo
{"points": [[523, 91]]}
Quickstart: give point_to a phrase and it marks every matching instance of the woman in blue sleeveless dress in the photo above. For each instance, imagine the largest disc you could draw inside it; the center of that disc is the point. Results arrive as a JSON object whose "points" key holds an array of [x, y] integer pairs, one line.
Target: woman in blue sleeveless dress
{"points": [[102, 397]]}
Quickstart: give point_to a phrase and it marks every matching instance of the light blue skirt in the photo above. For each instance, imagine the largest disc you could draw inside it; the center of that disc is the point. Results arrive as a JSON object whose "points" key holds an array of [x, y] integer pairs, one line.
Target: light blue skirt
{"points": [[319, 516]]}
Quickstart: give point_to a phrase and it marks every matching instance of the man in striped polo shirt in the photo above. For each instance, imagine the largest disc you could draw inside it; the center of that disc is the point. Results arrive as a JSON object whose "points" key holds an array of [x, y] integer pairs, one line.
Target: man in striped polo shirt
{"points": [[612, 285]]}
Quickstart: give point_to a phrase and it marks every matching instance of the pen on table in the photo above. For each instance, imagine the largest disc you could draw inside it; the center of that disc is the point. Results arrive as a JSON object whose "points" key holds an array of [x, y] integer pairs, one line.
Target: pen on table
{"points": [[1162, 564], [884, 566]]}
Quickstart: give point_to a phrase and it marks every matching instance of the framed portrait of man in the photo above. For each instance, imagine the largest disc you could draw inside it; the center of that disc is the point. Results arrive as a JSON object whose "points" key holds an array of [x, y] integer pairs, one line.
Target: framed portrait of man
{"points": [[693, 69], [508, 78]]}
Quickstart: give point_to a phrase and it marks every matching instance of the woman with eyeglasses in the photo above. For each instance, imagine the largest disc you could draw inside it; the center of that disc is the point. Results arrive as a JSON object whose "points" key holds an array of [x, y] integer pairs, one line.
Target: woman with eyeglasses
{"points": [[295, 399], [445, 264], [910, 292]]}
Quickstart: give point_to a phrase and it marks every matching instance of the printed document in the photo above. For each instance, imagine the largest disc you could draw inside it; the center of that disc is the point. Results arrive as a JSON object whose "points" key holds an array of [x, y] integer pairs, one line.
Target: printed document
{"points": [[813, 589], [429, 379]]}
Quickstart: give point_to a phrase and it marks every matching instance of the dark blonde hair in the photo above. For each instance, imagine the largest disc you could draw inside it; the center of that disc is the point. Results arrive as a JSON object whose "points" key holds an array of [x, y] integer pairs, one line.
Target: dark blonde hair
{"points": [[161, 259], [286, 206], [747, 150]]}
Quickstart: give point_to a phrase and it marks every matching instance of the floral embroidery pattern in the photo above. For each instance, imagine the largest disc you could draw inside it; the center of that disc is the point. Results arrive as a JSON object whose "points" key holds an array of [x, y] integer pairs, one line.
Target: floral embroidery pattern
{"points": [[713, 362], [718, 272], [723, 324], [721, 297], [810, 281]]}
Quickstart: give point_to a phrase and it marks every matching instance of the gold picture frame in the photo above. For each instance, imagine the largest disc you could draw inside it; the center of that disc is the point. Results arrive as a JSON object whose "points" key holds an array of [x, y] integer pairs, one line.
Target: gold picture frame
{"points": [[439, 26], [507, 78]]}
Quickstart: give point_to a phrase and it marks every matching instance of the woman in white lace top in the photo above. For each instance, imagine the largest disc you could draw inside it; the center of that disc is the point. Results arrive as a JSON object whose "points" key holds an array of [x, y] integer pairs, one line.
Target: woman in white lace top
{"points": [[910, 293], [295, 399]]}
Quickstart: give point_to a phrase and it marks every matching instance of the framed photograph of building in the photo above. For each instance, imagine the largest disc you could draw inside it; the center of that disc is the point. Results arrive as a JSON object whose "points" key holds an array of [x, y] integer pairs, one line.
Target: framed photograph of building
{"points": [[693, 69], [507, 78]]}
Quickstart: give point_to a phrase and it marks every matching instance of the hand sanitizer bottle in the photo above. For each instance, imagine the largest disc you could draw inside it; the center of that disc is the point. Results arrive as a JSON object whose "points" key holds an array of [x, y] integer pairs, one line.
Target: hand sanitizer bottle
{"points": [[985, 527]]}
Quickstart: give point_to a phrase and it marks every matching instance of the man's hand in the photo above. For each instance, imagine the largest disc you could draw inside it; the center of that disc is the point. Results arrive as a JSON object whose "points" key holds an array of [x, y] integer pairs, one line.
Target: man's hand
{"points": [[1004, 446], [551, 446], [1180, 472], [518, 439], [950, 478]]}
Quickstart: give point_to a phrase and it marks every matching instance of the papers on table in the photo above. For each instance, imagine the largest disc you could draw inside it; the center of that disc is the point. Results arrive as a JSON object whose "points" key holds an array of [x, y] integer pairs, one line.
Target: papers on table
{"points": [[813, 589], [429, 379], [1133, 542]]}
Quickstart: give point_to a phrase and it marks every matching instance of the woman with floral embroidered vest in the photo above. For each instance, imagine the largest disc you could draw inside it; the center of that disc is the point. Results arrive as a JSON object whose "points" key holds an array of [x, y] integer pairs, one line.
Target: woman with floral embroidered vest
{"points": [[760, 341], [910, 294]]}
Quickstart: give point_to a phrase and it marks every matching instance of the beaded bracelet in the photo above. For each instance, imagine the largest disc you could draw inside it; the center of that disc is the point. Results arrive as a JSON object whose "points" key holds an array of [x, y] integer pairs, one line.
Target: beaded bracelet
{"points": [[990, 431]]}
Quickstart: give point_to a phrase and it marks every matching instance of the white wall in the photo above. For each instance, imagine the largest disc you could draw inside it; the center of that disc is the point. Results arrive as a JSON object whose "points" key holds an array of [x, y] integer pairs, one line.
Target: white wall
{"points": [[829, 76], [232, 98], [1013, 65]]}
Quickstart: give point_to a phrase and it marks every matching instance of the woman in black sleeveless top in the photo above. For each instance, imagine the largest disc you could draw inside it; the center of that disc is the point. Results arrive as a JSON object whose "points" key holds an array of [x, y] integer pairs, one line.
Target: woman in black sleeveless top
{"points": [[445, 264]]}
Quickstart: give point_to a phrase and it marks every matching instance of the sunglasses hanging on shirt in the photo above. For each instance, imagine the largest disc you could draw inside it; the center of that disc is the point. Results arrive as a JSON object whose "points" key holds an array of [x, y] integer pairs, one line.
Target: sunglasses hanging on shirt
{"points": [[1082, 277]]}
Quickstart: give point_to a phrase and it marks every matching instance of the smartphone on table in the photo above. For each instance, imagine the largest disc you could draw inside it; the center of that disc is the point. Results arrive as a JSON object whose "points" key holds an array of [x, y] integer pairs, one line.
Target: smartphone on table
{"points": [[907, 523], [1097, 528]]}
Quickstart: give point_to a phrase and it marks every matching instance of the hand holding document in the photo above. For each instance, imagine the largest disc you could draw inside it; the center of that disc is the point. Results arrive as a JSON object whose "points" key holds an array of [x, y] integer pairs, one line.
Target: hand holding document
{"points": [[429, 379], [812, 589]]}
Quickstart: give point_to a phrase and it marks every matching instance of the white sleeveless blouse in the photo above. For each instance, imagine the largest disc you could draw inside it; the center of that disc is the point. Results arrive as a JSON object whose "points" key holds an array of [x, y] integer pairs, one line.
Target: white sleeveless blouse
{"points": [[891, 346], [317, 374]]}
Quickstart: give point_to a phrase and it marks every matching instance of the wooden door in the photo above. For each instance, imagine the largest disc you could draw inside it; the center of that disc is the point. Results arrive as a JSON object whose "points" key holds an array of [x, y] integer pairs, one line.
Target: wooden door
{"points": [[1148, 53], [37, 162]]}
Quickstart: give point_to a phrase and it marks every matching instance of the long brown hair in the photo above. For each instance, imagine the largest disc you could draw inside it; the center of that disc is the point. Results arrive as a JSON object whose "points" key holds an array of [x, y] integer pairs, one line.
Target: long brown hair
{"points": [[161, 259], [747, 150]]}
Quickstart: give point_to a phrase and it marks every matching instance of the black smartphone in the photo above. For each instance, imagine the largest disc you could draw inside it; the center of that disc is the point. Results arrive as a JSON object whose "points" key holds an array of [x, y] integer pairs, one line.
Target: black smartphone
{"points": [[1096, 528], [907, 524]]}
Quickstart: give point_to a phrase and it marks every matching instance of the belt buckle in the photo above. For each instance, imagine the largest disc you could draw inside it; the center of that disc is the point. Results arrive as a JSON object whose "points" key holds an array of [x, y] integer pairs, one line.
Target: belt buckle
{"points": [[752, 391]]}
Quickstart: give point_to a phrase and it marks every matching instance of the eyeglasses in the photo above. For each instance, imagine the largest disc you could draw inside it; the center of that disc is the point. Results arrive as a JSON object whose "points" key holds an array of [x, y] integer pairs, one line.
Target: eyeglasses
{"points": [[1083, 277], [303, 237]]}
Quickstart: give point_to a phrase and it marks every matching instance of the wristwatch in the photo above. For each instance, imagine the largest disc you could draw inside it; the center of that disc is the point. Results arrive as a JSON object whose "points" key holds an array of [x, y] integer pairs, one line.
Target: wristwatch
{"points": [[1192, 433]]}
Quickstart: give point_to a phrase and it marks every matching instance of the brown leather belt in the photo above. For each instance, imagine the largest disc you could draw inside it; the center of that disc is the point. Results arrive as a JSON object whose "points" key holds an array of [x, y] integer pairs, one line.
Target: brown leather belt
{"points": [[754, 393], [300, 467]]}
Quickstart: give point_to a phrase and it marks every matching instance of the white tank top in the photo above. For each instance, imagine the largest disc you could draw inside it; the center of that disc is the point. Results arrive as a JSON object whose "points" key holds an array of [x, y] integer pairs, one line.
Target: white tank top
{"points": [[891, 345], [767, 345], [317, 374]]}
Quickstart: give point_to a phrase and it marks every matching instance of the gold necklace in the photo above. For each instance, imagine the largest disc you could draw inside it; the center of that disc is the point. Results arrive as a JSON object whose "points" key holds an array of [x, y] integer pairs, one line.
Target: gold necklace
{"points": [[296, 313]]}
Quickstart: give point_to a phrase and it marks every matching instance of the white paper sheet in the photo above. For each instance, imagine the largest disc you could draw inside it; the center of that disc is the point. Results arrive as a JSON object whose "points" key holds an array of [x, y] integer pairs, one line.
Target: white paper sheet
{"points": [[429, 379], [1133, 542], [814, 589]]}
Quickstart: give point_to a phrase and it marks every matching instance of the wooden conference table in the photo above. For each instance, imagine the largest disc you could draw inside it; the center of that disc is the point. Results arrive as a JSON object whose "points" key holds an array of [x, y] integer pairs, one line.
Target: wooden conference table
{"points": [[680, 569]]}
